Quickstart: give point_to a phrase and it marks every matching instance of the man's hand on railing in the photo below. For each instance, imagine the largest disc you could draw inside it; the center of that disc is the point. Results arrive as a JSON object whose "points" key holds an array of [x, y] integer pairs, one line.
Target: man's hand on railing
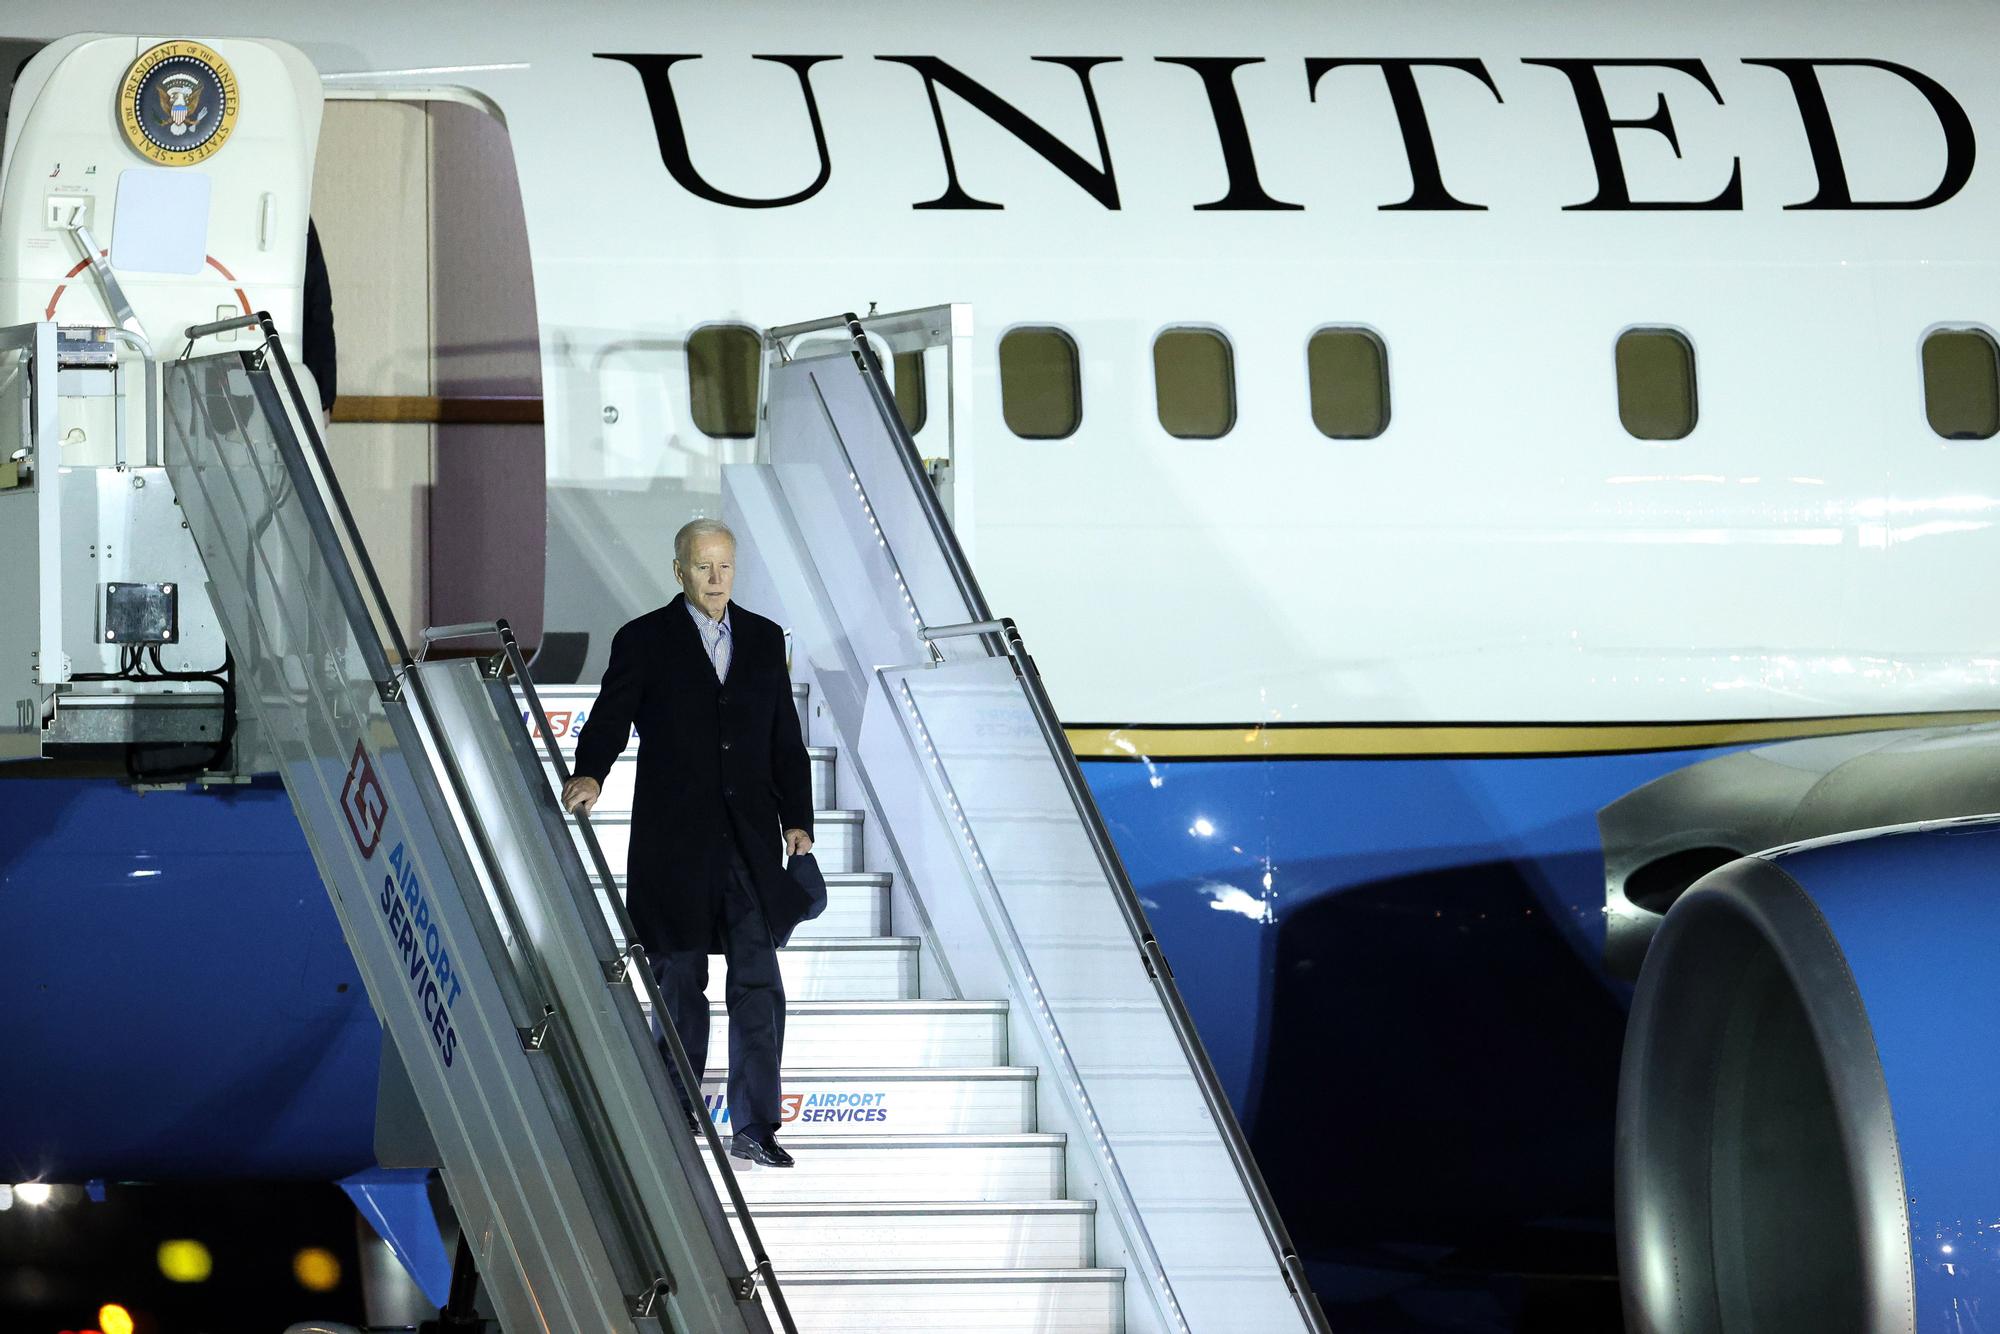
{"points": [[580, 794], [797, 842]]}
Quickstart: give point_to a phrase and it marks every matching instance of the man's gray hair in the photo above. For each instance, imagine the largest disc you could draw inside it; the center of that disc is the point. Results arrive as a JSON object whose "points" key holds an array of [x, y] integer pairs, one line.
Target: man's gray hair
{"points": [[693, 532]]}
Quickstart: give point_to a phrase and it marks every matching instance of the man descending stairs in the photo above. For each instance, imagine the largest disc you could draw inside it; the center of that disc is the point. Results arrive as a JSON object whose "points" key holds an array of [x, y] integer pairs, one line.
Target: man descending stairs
{"points": [[923, 1197]]}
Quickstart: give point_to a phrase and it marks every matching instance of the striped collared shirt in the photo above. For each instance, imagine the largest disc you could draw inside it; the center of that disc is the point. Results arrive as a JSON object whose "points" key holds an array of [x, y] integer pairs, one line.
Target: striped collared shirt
{"points": [[715, 638]]}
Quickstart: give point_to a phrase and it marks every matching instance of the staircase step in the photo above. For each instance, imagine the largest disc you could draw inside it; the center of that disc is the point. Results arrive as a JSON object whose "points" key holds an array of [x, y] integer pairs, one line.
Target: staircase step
{"points": [[836, 839], [860, 1169], [993, 1100], [1041, 1234], [857, 904], [822, 1035], [616, 798], [875, 969], [1016, 1301], [569, 706]]}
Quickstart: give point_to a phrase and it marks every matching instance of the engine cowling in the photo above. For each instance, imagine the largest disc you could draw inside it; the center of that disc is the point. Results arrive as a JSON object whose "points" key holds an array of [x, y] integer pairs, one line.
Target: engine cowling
{"points": [[1809, 1103]]}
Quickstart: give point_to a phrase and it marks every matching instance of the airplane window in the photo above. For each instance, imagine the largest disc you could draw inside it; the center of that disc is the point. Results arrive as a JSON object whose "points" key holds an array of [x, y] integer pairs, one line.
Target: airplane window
{"points": [[1656, 398], [723, 364], [1347, 371], [1041, 394], [1962, 384], [1194, 383], [908, 371]]}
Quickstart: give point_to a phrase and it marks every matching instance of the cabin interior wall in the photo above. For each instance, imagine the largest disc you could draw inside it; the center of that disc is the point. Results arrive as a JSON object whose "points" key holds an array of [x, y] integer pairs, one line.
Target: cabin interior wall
{"points": [[419, 215], [372, 207], [488, 524]]}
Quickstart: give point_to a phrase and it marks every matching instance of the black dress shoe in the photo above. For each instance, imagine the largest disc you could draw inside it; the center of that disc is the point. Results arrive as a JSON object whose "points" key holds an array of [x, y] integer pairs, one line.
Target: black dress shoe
{"points": [[760, 1149]]}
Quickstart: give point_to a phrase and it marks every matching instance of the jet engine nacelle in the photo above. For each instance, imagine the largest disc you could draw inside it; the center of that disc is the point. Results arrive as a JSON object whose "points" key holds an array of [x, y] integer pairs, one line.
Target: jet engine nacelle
{"points": [[1809, 1105]]}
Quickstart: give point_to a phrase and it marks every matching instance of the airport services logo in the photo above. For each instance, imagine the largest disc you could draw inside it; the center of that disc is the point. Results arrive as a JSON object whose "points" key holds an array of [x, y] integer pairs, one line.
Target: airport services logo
{"points": [[832, 1106], [178, 103], [363, 803]]}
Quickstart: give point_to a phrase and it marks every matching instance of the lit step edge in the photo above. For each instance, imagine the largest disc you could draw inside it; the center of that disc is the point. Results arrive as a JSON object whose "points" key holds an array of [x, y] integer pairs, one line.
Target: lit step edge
{"points": [[832, 1277], [864, 968], [570, 692], [947, 1166], [910, 1208], [842, 816], [834, 880], [896, 1007], [993, 1100], [942, 1235], [587, 691], [910, 1073], [617, 795], [838, 945], [1067, 1301], [564, 699], [942, 1139], [821, 754], [882, 1033]]}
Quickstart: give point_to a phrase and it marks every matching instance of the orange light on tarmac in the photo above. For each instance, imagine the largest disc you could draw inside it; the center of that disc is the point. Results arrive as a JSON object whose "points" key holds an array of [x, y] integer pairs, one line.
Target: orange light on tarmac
{"points": [[114, 1319], [316, 1269]]}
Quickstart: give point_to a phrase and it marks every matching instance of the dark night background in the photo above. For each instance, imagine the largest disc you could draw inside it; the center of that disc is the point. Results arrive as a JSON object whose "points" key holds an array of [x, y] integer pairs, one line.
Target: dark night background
{"points": [[60, 1262]]}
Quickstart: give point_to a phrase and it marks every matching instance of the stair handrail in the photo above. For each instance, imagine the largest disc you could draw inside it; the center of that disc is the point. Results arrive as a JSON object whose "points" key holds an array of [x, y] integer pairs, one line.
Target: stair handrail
{"points": [[1002, 634]]}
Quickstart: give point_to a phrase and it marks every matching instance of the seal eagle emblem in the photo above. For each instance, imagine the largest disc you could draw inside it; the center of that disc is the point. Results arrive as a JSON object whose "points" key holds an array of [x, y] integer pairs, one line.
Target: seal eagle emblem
{"points": [[178, 103]]}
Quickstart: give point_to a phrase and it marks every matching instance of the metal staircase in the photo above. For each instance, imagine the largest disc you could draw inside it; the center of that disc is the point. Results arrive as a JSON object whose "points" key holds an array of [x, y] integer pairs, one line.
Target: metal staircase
{"points": [[1002, 1118], [926, 1196]]}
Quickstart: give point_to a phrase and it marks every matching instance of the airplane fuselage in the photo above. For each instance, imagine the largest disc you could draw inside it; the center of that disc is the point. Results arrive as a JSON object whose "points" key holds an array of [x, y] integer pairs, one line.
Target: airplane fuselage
{"points": [[1349, 704]]}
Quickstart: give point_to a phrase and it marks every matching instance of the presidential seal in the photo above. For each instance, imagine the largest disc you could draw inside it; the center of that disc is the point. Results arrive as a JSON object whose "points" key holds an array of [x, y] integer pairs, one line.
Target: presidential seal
{"points": [[178, 103]]}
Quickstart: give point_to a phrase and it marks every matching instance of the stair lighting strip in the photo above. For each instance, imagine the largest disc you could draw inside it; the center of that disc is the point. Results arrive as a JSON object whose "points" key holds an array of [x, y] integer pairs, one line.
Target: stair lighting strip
{"points": [[902, 589]]}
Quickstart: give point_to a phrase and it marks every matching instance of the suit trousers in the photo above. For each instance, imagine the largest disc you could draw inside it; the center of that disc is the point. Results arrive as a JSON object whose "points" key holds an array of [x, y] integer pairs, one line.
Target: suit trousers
{"points": [[754, 994]]}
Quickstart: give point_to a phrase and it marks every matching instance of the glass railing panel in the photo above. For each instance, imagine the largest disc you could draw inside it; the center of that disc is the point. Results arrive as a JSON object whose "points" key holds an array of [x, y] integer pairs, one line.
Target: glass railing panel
{"points": [[811, 462], [851, 488], [1051, 902], [289, 613]]}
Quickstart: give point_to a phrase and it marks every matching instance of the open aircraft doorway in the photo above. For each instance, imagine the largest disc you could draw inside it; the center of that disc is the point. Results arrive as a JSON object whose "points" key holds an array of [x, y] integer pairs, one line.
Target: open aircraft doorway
{"points": [[437, 429]]}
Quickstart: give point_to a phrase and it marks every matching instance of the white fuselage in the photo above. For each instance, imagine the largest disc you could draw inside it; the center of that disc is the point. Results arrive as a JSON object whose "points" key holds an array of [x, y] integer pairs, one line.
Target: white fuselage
{"points": [[1504, 551]]}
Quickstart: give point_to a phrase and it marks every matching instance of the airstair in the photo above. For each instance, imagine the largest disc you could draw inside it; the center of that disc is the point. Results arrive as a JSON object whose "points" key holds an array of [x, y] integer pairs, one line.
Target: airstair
{"points": [[1001, 1116]]}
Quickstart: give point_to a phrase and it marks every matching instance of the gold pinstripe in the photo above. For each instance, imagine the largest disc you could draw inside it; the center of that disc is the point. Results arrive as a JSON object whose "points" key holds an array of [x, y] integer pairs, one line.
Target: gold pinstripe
{"points": [[1294, 741]]}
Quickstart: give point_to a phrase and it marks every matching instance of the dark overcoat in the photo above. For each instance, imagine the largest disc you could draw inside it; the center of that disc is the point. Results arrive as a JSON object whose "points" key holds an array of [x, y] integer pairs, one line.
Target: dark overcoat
{"points": [[722, 767]]}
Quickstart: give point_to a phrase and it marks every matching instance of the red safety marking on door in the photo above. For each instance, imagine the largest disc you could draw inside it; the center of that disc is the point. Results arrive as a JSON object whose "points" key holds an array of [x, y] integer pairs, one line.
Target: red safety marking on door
{"points": [[50, 312]]}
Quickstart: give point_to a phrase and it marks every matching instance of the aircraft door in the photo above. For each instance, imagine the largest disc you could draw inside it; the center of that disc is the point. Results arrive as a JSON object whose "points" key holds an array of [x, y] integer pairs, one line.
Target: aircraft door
{"points": [[147, 186]]}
